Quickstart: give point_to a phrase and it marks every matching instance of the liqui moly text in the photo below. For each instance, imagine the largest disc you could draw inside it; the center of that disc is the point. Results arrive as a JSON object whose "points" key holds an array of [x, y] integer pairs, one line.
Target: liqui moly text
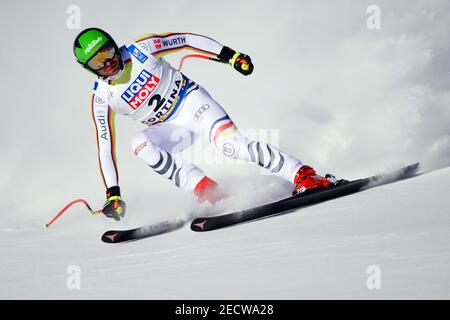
{"points": [[141, 88]]}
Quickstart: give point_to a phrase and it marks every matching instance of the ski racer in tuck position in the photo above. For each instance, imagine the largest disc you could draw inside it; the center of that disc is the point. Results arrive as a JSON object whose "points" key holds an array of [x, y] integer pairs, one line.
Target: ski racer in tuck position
{"points": [[135, 81]]}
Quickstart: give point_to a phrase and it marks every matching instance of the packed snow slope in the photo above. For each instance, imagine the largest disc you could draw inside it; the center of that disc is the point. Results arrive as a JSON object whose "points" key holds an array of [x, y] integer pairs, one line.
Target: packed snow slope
{"points": [[341, 96], [323, 251]]}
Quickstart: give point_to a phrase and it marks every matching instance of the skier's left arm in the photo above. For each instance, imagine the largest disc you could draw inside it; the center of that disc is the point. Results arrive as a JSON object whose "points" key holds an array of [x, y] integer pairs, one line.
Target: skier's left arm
{"points": [[162, 44]]}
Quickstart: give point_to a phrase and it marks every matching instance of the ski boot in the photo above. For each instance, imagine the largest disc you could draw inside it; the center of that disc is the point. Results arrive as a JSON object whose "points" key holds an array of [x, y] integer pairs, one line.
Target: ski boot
{"points": [[306, 179], [208, 190]]}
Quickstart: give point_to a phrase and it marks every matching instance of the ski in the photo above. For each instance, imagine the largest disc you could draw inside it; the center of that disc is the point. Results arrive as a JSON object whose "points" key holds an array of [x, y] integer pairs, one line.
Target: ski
{"points": [[117, 236], [281, 206], [312, 197]]}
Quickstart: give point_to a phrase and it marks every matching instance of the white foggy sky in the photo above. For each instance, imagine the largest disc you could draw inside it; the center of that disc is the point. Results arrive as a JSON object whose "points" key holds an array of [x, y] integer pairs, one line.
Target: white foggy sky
{"points": [[345, 99]]}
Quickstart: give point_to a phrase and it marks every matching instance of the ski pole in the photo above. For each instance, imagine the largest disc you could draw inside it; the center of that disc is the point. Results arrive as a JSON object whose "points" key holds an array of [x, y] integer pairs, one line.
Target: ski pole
{"points": [[199, 56], [67, 206]]}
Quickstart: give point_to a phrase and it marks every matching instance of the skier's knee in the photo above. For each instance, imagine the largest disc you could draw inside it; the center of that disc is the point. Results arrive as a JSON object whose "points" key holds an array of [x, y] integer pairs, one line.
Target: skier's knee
{"points": [[139, 142], [233, 145]]}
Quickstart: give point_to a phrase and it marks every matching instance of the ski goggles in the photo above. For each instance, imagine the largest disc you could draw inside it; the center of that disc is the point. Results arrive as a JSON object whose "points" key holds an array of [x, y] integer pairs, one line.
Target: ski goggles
{"points": [[106, 53]]}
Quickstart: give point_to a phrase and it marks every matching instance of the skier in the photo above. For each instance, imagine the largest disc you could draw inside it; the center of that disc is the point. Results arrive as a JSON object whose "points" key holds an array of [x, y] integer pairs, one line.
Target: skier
{"points": [[135, 81]]}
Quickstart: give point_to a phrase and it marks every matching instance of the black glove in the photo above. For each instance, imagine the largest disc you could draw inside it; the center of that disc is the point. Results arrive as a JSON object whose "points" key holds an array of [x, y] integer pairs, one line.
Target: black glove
{"points": [[239, 61], [114, 207]]}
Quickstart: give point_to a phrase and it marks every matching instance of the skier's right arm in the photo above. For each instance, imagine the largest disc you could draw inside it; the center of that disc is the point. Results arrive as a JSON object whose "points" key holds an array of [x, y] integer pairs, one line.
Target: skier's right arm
{"points": [[103, 117]]}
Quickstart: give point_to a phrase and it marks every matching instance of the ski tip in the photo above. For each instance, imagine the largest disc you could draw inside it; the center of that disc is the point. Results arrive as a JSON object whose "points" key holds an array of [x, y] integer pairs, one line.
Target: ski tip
{"points": [[412, 168], [414, 165]]}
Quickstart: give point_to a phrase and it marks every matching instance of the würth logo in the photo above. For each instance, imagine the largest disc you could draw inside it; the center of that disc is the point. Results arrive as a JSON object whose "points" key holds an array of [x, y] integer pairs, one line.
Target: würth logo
{"points": [[157, 43], [174, 41], [141, 88]]}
